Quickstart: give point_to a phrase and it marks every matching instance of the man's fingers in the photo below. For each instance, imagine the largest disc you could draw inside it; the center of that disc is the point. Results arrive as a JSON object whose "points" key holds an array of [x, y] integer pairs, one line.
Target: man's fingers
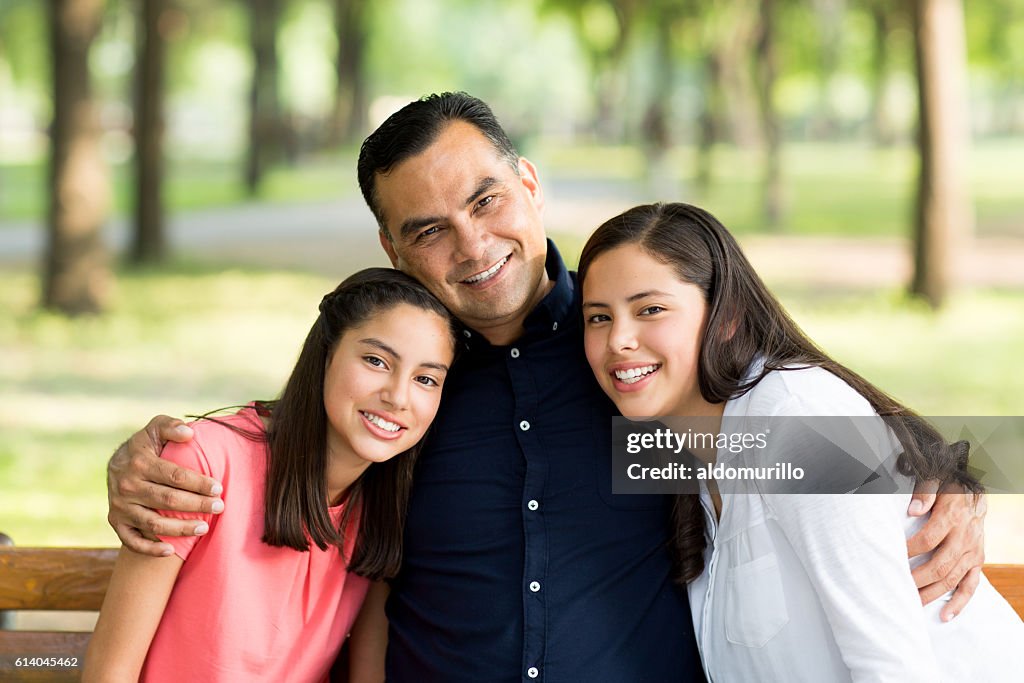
{"points": [[929, 536], [938, 567], [133, 540], [175, 430], [923, 498], [175, 476], [963, 594], [152, 524], [160, 497]]}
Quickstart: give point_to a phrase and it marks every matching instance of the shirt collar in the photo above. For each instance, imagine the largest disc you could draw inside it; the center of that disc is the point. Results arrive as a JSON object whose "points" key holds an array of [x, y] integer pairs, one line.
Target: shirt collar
{"points": [[552, 313]]}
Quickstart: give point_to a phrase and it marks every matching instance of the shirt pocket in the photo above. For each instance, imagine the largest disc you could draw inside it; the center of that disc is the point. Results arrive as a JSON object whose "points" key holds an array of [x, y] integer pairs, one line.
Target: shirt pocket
{"points": [[755, 604]]}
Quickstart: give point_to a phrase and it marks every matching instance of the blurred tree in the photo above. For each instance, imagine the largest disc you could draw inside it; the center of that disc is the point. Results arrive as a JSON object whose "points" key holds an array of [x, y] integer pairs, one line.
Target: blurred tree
{"points": [[885, 18], [267, 134], [348, 123], [603, 28], [148, 240], [75, 273], [830, 16], [943, 208], [766, 70]]}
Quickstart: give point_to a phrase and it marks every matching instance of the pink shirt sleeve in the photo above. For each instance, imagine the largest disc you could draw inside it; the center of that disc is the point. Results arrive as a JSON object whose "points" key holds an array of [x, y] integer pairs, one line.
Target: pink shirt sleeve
{"points": [[193, 456]]}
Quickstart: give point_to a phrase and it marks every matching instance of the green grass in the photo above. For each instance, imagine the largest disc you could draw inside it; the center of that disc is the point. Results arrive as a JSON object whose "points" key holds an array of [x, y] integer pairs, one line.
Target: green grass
{"points": [[186, 339]]}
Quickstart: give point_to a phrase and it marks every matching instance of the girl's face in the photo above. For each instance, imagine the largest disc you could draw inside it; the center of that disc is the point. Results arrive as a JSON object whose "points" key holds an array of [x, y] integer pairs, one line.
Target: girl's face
{"points": [[642, 332], [383, 384]]}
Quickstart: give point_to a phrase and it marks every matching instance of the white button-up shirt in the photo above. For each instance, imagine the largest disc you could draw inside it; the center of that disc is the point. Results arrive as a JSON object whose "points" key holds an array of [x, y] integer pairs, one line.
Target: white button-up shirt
{"points": [[817, 587]]}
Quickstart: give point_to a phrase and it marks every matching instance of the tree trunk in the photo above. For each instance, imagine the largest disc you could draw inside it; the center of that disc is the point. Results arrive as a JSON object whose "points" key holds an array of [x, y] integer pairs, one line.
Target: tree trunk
{"points": [[710, 122], [830, 15], [266, 129], [148, 239], [76, 277], [349, 120], [767, 70], [657, 133], [882, 130], [943, 208]]}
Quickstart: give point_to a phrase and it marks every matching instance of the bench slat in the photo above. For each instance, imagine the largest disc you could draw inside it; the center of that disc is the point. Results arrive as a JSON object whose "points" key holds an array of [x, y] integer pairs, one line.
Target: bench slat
{"points": [[54, 578], [1008, 579]]}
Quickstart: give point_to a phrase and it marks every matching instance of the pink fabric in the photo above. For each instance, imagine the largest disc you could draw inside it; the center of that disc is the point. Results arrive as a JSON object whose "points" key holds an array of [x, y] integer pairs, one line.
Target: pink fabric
{"points": [[242, 610]]}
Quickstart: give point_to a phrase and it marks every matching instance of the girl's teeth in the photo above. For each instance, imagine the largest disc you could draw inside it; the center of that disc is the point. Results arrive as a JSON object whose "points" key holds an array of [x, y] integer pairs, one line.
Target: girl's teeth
{"points": [[634, 375], [381, 422]]}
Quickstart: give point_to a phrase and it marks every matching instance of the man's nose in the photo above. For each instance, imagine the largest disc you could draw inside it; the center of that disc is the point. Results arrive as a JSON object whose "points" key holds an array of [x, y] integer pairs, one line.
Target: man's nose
{"points": [[471, 241]]}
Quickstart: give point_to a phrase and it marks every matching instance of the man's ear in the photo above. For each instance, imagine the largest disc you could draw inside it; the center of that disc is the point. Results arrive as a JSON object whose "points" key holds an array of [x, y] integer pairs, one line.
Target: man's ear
{"points": [[530, 180], [388, 246]]}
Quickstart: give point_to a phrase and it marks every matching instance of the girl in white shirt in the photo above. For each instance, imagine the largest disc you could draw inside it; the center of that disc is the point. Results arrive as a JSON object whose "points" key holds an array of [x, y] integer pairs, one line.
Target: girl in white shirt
{"points": [[783, 586]]}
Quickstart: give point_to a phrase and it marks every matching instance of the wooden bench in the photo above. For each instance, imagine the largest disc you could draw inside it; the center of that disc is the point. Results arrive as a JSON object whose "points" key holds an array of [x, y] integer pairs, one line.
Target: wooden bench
{"points": [[77, 578], [49, 579]]}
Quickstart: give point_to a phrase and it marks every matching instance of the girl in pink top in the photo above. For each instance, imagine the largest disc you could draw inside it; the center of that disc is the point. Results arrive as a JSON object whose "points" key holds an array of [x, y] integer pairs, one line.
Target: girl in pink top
{"points": [[318, 483]]}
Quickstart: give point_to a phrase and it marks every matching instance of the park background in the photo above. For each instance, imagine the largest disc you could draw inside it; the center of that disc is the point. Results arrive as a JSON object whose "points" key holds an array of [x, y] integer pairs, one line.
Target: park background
{"points": [[177, 189]]}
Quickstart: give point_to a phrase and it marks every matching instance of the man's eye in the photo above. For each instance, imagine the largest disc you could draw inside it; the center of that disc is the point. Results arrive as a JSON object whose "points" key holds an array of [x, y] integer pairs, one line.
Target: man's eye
{"points": [[485, 201], [432, 230]]}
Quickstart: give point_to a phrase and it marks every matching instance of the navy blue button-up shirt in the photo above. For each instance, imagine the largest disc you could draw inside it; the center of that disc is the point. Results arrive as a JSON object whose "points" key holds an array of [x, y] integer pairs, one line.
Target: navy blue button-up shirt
{"points": [[520, 564]]}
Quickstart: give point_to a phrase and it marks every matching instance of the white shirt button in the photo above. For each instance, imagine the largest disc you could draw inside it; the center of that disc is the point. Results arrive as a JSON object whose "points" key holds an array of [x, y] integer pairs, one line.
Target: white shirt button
{"points": [[532, 672], [554, 328], [467, 334], [524, 425], [533, 505], [515, 353], [534, 587]]}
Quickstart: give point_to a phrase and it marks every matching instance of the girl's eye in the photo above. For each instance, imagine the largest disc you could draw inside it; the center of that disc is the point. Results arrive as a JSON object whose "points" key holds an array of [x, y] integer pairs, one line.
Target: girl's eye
{"points": [[428, 381], [598, 318], [651, 310], [375, 361]]}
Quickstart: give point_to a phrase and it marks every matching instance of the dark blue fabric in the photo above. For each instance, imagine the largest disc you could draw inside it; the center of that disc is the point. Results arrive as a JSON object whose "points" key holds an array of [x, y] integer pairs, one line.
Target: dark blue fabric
{"points": [[462, 608]]}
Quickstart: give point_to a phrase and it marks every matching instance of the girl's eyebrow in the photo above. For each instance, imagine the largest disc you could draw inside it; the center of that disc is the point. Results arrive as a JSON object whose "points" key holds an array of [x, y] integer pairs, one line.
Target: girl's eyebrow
{"points": [[377, 343], [630, 299]]}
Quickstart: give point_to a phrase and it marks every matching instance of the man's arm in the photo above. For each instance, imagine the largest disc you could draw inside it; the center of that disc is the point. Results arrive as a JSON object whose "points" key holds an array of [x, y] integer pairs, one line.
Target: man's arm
{"points": [[139, 482], [956, 533]]}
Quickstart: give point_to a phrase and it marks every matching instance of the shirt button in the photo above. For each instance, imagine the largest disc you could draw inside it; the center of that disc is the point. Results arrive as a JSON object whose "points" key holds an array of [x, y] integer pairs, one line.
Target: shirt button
{"points": [[534, 587], [554, 328], [524, 425], [515, 353], [533, 505], [467, 334], [532, 672]]}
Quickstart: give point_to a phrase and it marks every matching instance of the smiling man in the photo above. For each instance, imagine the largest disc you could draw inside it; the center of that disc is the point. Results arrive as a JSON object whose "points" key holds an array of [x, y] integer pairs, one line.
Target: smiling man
{"points": [[519, 563]]}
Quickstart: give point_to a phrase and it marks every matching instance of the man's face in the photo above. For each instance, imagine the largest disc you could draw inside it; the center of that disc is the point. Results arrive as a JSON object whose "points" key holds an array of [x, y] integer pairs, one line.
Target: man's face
{"points": [[469, 228]]}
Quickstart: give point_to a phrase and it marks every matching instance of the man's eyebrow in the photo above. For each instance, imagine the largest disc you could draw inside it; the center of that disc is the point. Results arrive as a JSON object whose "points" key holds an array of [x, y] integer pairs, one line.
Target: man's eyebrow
{"points": [[629, 299], [377, 343], [485, 184]]}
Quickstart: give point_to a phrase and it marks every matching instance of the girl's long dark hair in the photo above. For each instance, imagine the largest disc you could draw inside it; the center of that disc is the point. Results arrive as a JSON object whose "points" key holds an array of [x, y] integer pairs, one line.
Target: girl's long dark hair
{"points": [[746, 322], [296, 508]]}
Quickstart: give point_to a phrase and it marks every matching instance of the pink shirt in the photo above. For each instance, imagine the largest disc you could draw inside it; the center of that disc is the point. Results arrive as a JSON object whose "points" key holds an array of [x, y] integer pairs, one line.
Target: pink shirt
{"points": [[242, 610]]}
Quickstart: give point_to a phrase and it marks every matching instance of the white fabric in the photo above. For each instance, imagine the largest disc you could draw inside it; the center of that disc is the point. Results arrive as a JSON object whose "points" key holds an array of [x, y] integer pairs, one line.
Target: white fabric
{"points": [[818, 588]]}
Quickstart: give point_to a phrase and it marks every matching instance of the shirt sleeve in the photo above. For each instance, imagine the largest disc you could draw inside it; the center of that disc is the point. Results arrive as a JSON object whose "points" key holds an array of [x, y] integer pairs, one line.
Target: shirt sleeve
{"points": [[191, 455], [853, 548]]}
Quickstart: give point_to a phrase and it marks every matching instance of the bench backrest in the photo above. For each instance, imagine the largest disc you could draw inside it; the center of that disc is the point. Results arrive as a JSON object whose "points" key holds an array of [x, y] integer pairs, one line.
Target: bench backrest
{"points": [[77, 578]]}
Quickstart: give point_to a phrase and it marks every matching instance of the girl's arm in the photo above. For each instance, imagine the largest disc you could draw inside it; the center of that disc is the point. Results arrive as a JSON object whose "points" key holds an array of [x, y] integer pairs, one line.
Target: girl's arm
{"points": [[853, 549], [132, 609], [368, 641]]}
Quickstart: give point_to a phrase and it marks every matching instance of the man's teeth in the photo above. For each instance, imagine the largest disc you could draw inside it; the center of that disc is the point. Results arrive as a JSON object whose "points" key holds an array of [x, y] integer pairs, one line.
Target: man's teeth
{"points": [[634, 375], [487, 274], [381, 422]]}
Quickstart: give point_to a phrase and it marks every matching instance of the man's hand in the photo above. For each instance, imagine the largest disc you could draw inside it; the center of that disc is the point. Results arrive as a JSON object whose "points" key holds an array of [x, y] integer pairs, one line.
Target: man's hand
{"points": [[956, 534], [139, 482]]}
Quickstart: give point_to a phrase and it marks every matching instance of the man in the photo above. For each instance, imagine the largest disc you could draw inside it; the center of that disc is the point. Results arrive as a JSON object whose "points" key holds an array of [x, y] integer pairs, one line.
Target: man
{"points": [[520, 564]]}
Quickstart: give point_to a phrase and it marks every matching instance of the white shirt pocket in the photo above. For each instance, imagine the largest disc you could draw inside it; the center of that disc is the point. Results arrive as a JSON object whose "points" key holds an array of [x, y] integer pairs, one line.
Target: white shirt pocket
{"points": [[755, 604]]}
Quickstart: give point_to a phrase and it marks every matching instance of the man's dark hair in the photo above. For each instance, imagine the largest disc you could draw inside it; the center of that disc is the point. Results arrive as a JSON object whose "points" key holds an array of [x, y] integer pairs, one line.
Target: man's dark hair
{"points": [[414, 127]]}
